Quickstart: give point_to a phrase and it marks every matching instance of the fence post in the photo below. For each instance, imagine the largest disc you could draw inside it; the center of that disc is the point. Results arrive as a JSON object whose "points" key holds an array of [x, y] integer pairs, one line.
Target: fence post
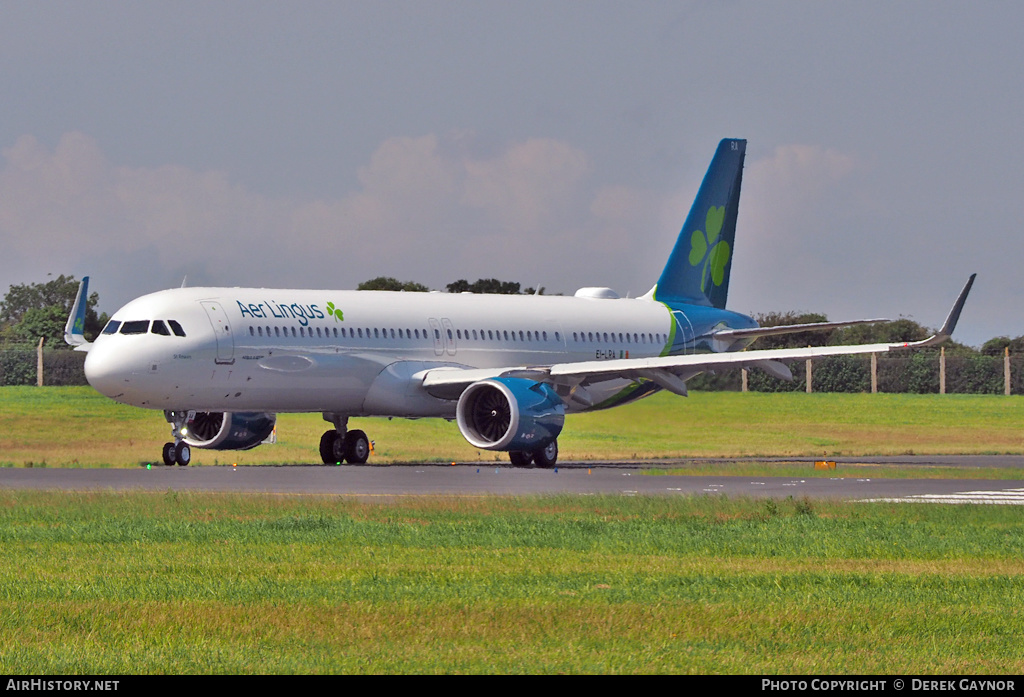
{"points": [[743, 375], [1006, 371], [942, 370], [874, 373], [808, 376], [39, 362]]}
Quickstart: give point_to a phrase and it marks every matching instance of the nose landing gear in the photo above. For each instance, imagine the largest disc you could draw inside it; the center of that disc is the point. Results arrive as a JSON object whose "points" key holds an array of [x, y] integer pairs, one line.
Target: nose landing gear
{"points": [[179, 452]]}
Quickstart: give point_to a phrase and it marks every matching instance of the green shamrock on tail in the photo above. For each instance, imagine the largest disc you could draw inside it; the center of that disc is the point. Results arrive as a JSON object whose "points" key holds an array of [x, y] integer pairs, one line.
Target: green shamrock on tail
{"points": [[718, 257], [336, 313]]}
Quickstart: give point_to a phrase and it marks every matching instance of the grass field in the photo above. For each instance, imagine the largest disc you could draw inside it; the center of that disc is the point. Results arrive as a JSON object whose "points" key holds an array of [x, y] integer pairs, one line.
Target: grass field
{"points": [[75, 426], [183, 583], [133, 583]]}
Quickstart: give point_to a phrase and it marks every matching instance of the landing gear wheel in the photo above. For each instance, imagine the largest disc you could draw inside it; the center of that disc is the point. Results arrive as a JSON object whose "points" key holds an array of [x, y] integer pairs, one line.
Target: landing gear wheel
{"points": [[357, 447], [182, 453], [547, 456], [520, 458], [332, 451], [168, 454]]}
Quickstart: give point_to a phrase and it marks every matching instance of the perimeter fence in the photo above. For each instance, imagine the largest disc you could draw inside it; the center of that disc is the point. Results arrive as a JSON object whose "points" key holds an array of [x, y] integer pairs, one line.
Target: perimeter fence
{"points": [[19, 365], [918, 372]]}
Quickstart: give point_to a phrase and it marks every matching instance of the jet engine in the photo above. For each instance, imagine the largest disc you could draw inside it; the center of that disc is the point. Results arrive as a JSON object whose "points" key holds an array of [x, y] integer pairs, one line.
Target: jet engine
{"points": [[224, 430], [510, 414]]}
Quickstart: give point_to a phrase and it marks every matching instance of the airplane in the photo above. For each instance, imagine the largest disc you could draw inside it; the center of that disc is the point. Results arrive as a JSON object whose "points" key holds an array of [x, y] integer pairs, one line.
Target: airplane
{"points": [[221, 363]]}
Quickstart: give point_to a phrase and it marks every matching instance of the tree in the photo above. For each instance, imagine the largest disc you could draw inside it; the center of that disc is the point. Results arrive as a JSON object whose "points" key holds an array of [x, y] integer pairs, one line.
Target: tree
{"points": [[30, 311], [389, 283], [489, 285], [997, 345]]}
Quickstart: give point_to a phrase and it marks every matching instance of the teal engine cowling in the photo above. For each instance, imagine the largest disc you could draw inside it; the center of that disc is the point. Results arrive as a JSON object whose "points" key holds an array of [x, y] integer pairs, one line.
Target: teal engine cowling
{"points": [[224, 430], [510, 414]]}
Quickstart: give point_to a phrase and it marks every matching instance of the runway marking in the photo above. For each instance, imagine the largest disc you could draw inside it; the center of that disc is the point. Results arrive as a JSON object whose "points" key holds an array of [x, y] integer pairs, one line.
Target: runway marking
{"points": [[1005, 497]]}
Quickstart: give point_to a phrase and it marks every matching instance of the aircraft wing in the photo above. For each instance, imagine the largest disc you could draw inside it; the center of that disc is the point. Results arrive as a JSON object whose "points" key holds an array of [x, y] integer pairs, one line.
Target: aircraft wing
{"points": [[671, 372]]}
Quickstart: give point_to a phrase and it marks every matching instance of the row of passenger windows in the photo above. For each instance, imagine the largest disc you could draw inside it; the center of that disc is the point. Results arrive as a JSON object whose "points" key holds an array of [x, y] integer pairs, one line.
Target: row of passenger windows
{"points": [[460, 334], [377, 333], [142, 326]]}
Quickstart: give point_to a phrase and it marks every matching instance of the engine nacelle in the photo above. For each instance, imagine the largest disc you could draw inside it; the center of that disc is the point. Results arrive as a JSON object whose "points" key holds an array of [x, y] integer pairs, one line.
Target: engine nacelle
{"points": [[225, 430], [510, 414]]}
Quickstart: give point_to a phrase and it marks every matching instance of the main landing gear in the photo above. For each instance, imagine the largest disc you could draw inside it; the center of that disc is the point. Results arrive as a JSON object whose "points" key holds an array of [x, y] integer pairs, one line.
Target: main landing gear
{"points": [[342, 445], [179, 452], [545, 457]]}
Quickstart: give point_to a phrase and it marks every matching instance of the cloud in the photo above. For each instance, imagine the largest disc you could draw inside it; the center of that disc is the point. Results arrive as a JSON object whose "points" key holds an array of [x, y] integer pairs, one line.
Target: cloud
{"points": [[791, 241], [424, 210]]}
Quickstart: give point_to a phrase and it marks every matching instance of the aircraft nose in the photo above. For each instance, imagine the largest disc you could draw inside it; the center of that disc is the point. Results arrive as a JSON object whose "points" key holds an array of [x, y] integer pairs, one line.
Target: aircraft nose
{"points": [[107, 372]]}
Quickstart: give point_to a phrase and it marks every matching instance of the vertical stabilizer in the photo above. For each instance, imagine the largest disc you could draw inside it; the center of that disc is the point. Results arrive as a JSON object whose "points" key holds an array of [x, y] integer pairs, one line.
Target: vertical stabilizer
{"points": [[74, 330], [697, 272]]}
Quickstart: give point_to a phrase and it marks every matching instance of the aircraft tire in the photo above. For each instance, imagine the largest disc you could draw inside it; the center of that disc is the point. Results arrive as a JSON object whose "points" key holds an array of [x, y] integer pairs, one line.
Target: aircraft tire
{"points": [[168, 454], [357, 447], [182, 453], [329, 451], [547, 456], [520, 458]]}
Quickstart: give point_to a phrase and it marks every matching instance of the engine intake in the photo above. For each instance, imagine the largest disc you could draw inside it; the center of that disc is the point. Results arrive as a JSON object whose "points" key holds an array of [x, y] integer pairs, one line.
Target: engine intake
{"points": [[225, 430], [510, 414]]}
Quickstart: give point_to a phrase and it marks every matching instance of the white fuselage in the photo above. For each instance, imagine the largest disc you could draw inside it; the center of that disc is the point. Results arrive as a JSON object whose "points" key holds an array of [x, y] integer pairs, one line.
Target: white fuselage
{"points": [[352, 352]]}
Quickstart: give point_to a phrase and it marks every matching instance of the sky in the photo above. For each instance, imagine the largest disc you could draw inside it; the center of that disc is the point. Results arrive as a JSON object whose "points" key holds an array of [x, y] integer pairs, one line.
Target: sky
{"points": [[308, 144]]}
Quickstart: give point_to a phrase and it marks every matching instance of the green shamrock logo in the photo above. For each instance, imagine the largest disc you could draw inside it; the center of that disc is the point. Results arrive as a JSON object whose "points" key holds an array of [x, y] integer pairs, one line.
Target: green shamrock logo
{"points": [[711, 250], [336, 313]]}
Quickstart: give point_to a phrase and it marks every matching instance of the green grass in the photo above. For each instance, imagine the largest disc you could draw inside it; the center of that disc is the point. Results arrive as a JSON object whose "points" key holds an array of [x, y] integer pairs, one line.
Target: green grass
{"points": [[193, 583], [75, 426]]}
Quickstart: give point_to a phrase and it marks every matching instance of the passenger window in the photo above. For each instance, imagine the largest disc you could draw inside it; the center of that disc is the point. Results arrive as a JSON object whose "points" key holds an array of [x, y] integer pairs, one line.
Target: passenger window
{"points": [[159, 328], [135, 327], [252, 330]]}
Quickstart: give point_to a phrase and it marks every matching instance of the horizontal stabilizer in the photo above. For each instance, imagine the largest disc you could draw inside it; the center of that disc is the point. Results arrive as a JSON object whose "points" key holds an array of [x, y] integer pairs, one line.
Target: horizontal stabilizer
{"points": [[789, 329]]}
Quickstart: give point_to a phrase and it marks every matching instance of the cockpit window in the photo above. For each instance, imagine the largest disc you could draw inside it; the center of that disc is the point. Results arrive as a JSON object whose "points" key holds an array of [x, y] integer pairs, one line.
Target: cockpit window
{"points": [[135, 327], [111, 327], [176, 328], [159, 328]]}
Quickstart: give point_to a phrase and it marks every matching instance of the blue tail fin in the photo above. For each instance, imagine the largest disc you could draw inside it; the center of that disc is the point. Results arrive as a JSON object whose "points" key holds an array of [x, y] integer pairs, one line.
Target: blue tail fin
{"points": [[697, 272]]}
